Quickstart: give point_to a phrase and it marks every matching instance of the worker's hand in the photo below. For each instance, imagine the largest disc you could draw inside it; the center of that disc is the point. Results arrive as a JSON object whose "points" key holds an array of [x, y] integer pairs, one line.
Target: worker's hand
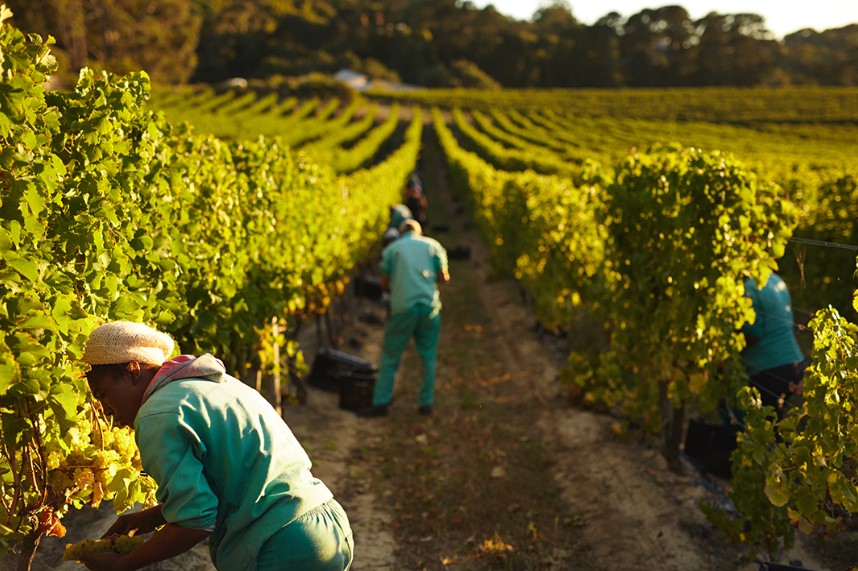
{"points": [[134, 523], [796, 388], [103, 561]]}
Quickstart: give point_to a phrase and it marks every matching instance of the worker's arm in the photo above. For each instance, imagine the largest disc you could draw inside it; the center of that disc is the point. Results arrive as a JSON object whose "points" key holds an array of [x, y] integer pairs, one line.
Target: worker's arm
{"points": [[443, 276], [172, 540], [385, 283], [145, 521]]}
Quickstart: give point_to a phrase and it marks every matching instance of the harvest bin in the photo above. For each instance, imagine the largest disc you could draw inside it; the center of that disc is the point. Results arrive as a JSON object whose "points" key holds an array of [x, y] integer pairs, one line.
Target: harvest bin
{"points": [[766, 566], [368, 287], [711, 446], [352, 377], [356, 390]]}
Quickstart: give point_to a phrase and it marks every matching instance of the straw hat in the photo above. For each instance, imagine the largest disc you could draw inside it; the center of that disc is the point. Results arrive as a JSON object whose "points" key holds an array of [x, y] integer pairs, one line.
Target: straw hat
{"points": [[125, 341], [411, 226]]}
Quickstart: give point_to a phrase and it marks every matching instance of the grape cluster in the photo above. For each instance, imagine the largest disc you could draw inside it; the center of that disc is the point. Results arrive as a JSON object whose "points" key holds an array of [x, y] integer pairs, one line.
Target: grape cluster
{"points": [[120, 544], [88, 460]]}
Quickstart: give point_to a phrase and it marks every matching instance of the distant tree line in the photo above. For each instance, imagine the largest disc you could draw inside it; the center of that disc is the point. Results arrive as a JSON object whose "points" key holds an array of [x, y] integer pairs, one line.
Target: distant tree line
{"points": [[434, 43]]}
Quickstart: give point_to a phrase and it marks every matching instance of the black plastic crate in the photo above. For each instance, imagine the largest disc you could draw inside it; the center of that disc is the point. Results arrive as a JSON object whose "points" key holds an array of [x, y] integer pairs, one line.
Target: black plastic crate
{"points": [[356, 390], [711, 445], [331, 364], [766, 566], [459, 253], [368, 287]]}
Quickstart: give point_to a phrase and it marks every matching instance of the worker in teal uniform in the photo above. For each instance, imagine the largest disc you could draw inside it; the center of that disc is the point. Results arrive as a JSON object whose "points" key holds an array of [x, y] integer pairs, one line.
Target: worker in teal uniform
{"points": [[772, 356], [228, 468], [415, 200], [411, 269], [399, 213]]}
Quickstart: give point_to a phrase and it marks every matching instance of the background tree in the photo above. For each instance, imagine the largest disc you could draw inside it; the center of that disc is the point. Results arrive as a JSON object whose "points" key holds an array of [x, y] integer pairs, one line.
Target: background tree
{"points": [[734, 49], [234, 38], [639, 47], [656, 47], [160, 37], [828, 58], [557, 29], [598, 60], [423, 42]]}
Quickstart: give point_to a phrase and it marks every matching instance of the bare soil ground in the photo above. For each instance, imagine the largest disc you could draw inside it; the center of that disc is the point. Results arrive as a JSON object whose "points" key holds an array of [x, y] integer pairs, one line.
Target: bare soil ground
{"points": [[507, 474]]}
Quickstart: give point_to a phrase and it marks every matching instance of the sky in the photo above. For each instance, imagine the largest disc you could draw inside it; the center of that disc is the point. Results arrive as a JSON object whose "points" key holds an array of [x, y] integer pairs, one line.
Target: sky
{"points": [[782, 16]]}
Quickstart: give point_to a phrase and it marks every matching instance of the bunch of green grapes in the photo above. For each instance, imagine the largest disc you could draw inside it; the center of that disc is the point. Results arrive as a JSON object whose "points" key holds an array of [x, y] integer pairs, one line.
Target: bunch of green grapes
{"points": [[120, 544], [92, 458]]}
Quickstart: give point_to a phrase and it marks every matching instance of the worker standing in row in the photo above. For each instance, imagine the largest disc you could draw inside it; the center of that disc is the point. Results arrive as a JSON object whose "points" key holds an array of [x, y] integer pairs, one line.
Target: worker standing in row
{"points": [[411, 269]]}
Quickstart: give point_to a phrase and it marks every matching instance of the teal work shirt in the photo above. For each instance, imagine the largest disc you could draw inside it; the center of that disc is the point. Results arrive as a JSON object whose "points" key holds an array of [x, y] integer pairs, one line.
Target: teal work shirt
{"points": [[225, 462], [773, 327], [412, 264]]}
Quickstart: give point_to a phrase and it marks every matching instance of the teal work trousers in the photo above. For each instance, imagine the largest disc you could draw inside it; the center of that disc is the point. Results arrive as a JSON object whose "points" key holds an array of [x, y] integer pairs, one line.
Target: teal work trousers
{"points": [[424, 324], [319, 540]]}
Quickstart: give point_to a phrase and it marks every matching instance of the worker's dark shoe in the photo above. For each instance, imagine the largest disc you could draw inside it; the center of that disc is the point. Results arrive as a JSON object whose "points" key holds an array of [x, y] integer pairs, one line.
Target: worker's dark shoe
{"points": [[374, 410], [425, 409]]}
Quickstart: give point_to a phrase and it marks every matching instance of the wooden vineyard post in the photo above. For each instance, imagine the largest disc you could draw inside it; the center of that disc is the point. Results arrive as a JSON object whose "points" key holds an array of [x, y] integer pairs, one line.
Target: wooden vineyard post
{"points": [[276, 397]]}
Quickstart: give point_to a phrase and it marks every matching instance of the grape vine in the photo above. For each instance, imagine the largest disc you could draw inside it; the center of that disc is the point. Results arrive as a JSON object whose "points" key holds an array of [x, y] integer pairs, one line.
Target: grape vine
{"points": [[107, 211]]}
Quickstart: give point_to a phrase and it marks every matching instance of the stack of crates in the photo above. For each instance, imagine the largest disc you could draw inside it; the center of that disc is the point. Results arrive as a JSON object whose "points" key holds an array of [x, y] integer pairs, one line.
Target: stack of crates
{"points": [[352, 377]]}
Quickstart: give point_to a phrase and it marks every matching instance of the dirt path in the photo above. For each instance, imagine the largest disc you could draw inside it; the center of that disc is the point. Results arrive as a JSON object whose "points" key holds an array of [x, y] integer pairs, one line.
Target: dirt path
{"points": [[634, 513], [336, 440]]}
